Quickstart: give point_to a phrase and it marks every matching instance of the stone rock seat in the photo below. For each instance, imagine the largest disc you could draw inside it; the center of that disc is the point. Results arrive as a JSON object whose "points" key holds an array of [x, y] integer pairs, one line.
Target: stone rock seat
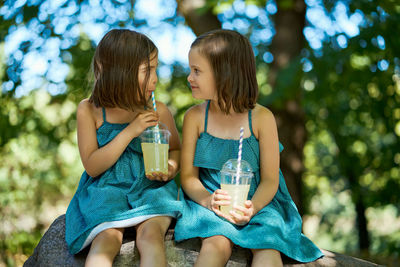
{"points": [[52, 251]]}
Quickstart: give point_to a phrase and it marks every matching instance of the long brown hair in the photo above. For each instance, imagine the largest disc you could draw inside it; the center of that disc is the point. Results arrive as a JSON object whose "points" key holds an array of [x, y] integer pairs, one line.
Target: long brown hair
{"points": [[232, 60], [116, 65]]}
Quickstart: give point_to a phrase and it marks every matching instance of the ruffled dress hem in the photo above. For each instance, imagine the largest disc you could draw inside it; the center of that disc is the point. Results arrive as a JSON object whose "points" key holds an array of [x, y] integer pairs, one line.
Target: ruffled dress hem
{"points": [[79, 243]]}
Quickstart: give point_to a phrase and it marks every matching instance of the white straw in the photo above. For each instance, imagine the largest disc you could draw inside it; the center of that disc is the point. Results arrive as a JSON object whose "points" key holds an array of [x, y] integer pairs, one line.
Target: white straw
{"points": [[239, 154], [157, 136], [154, 104], [154, 101]]}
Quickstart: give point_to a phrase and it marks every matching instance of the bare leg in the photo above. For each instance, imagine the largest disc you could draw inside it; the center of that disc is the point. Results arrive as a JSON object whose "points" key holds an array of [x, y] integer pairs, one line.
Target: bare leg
{"points": [[215, 251], [105, 246], [266, 258], [150, 241]]}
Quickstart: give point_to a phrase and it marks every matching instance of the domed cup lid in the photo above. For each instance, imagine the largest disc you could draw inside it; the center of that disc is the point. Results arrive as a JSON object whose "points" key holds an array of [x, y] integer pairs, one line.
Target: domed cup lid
{"points": [[231, 167]]}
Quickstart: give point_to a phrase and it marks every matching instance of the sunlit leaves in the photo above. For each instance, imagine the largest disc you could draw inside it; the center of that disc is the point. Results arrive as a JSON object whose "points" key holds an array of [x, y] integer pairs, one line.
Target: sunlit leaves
{"points": [[360, 61], [354, 101]]}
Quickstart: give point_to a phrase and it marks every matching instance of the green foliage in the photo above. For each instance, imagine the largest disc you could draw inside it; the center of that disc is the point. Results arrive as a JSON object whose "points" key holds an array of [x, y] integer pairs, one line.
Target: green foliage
{"points": [[355, 104], [18, 243], [41, 166], [353, 124], [352, 100]]}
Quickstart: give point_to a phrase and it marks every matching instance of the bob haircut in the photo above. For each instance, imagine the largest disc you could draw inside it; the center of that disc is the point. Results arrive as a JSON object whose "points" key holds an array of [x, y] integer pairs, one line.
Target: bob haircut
{"points": [[232, 61], [116, 66]]}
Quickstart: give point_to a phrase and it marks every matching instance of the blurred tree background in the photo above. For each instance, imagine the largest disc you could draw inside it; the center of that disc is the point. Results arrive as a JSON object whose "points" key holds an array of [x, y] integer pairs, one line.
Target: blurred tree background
{"points": [[329, 70]]}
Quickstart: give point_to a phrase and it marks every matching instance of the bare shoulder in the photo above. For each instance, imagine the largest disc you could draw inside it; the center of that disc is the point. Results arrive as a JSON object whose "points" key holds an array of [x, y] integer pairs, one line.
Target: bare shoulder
{"points": [[162, 108], [263, 118], [262, 112], [194, 118], [195, 113], [85, 107], [86, 110], [165, 114]]}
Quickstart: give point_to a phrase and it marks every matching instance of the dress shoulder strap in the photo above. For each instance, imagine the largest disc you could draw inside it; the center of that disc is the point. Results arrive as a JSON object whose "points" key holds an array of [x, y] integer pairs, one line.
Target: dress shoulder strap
{"points": [[104, 114], [206, 116], [250, 123]]}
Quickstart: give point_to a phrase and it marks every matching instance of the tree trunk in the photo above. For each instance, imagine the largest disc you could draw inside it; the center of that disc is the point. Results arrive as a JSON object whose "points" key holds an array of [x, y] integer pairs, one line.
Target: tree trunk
{"points": [[357, 198], [286, 45], [363, 236], [200, 20], [361, 219]]}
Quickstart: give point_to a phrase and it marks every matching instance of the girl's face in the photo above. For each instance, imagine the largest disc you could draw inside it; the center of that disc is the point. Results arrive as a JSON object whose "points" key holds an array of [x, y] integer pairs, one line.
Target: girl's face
{"points": [[201, 77], [152, 68]]}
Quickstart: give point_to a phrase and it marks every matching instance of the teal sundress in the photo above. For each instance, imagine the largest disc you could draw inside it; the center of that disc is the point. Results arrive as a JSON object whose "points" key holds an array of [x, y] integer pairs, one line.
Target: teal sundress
{"points": [[120, 197], [277, 226]]}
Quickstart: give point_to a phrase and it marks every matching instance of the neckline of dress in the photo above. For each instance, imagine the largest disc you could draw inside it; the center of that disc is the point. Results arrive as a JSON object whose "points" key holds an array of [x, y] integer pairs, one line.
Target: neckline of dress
{"points": [[234, 140], [111, 123]]}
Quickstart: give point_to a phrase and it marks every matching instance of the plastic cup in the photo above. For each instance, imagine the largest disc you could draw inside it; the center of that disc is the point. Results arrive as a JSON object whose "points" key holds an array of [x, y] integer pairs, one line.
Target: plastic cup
{"points": [[237, 187], [155, 145]]}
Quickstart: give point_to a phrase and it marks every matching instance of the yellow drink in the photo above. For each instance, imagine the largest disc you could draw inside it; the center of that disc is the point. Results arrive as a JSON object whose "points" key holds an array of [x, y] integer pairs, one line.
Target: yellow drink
{"points": [[155, 157], [238, 193]]}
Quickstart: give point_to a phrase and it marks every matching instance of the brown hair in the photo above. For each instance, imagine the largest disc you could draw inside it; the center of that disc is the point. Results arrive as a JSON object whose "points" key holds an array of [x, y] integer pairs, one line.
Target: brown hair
{"points": [[116, 65], [232, 60]]}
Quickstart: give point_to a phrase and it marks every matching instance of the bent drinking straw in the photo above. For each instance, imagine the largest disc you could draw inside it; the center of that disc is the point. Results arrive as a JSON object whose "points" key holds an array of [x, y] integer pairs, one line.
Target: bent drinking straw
{"points": [[239, 155]]}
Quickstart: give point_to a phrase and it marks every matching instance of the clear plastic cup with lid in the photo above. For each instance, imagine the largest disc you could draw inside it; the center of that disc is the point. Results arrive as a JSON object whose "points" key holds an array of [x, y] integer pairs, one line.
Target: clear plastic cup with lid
{"points": [[155, 146], [236, 179]]}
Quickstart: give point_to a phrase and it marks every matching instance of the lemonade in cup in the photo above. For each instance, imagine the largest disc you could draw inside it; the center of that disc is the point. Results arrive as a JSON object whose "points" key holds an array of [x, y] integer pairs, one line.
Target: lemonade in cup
{"points": [[155, 146], [236, 183]]}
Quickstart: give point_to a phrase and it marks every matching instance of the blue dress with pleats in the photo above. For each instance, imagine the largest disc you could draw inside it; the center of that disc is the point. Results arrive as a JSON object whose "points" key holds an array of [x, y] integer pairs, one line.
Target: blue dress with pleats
{"points": [[277, 226], [120, 197]]}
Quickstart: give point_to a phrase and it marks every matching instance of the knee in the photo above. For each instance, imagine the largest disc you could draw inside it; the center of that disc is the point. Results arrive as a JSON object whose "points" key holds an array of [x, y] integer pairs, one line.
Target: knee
{"points": [[109, 241], [150, 232], [218, 244], [266, 257]]}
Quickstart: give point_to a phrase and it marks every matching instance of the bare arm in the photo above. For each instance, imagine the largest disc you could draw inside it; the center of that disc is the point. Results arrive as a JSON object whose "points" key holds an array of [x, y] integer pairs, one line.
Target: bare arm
{"points": [[269, 159], [97, 160], [190, 174], [266, 132], [174, 141]]}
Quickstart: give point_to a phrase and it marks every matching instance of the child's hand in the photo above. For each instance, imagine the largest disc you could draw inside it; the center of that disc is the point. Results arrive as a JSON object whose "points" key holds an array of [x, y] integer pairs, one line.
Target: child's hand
{"points": [[172, 169], [247, 213], [163, 177], [143, 120], [158, 176], [219, 198]]}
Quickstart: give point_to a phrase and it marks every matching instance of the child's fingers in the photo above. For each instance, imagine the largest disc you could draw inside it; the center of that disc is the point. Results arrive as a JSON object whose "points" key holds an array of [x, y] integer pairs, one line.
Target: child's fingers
{"points": [[248, 204], [219, 213], [148, 116], [159, 176], [242, 209], [164, 177], [218, 200], [148, 112], [221, 196], [247, 211], [238, 218], [154, 176], [218, 197], [241, 215], [150, 177], [221, 192], [222, 203]]}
